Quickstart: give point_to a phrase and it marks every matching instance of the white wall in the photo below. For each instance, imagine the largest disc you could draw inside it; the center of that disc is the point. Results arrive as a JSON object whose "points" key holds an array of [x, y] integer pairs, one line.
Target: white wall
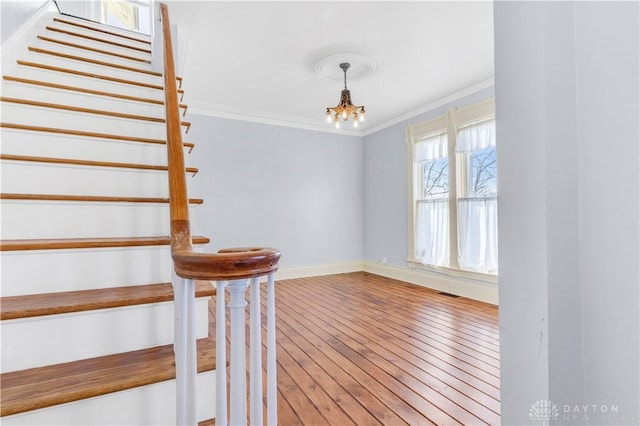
{"points": [[297, 190], [14, 13], [608, 89], [567, 95]]}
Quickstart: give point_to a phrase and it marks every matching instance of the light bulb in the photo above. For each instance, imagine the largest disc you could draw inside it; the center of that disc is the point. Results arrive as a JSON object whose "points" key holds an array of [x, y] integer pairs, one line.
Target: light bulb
{"points": [[355, 123], [328, 116], [337, 124], [344, 114], [361, 117]]}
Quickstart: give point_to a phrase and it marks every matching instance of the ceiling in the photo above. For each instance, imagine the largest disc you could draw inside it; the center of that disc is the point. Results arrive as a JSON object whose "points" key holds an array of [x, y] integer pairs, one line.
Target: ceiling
{"points": [[277, 62]]}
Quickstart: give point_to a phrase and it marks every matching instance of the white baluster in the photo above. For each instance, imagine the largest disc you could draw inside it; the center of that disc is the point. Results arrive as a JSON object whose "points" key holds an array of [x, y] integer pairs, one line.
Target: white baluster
{"points": [[238, 391], [272, 380], [255, 349], [221, 356], [185, 350], [238, 387]]}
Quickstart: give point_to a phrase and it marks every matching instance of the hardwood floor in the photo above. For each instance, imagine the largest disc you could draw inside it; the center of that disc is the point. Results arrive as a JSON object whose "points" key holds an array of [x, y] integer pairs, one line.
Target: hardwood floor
{"points": [[367, 350]]}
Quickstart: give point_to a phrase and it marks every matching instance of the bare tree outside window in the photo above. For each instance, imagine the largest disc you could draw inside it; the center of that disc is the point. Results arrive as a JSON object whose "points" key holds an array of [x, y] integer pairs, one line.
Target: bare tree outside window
{"points": [[435, 178], [482, 179]]}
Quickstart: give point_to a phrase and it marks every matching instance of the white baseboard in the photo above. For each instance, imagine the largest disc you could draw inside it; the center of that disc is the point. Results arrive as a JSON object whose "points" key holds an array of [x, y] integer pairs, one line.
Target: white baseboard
{"points": [[472, 289], [317, 270]]}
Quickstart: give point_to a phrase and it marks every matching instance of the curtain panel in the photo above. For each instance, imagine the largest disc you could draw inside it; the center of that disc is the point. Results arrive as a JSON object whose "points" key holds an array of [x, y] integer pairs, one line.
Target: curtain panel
{"points": [[432, 232], [478, 234]]}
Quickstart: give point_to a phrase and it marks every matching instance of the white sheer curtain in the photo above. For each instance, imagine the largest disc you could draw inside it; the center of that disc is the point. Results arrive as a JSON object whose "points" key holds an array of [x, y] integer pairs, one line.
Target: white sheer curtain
{"points": [[478, 234], [477, 216], [476, 136], [432, 215], [432, 232], [430, 148]]}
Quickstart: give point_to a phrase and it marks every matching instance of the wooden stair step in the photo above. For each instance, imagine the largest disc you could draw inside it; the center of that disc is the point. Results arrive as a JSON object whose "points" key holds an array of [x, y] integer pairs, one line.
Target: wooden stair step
{"points": [[100, 30], [93, 61], [88, 74], [207, 422], [89, 134], [33, 305], [186, 124], [76, 162], [92, 49], [90, 198], [42, 387], [84, 243], [89, 91], [101, 40]]}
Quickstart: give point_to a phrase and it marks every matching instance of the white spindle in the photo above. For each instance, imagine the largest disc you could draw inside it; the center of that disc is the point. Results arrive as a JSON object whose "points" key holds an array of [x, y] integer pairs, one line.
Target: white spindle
{"points": [[185, 350], [221, 356], [238, 389], [272, 381], [238, 386], [255, 350]]}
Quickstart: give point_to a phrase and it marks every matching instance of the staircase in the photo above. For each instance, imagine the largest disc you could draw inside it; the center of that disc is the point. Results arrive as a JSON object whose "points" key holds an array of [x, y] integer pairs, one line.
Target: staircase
{"points": [[86, 307]]}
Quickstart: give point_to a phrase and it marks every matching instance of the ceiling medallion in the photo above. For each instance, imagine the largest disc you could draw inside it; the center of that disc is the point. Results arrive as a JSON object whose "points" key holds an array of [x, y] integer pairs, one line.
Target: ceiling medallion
{"points": [[332, 63], [363, 62], [345, 108]]}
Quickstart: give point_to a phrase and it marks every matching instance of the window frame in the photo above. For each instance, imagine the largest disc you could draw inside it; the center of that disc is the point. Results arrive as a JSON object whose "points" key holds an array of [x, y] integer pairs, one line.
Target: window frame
{"points": [[449, 123]]}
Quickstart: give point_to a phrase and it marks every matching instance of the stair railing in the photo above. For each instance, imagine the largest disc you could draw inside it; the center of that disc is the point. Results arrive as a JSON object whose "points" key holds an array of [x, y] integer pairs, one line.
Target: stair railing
{"points": [[233, 269]]}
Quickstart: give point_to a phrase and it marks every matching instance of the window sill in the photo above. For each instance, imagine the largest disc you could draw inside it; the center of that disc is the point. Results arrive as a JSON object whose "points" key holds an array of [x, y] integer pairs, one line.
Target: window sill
{"points": [[453, 272]]}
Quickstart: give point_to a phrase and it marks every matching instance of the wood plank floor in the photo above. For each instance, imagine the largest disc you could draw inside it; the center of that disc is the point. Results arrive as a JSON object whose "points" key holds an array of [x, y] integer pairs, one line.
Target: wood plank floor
{"points": [[360, 349]]}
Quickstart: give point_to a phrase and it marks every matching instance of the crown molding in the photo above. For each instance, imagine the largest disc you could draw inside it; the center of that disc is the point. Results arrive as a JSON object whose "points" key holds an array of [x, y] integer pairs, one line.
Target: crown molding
{"points": [[220, 111], [433, 105]]}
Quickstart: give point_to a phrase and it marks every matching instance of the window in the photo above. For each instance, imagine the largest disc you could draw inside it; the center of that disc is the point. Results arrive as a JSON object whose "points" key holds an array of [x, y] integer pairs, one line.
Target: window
{"points": [[134, 15], [452, 163]]}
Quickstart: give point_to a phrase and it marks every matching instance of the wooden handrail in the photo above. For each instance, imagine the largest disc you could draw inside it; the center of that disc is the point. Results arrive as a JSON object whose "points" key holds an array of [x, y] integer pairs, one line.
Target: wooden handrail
{"points": [[227, 264]]}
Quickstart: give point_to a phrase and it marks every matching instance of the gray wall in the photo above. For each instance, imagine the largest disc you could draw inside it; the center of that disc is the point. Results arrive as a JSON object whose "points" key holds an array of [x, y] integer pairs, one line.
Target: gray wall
{"points": [[15, 13], [297, 190], [567, 86], [385, 186]]}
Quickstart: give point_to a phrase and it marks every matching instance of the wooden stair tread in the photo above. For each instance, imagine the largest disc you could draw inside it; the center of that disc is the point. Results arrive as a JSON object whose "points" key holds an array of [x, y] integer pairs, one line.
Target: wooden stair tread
{"points": [[92, 163], [88, 74], [42, 387], [98, 39], [100, 30], [81, 243], [93, 49], [88, 134], [33, 305], [89, 110], [88, 91], [93, 61], [90, 198]]}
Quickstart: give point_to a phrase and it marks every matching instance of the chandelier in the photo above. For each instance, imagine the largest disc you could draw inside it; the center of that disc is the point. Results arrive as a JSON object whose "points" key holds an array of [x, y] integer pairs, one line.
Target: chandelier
{"points": [[345, 108]]}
